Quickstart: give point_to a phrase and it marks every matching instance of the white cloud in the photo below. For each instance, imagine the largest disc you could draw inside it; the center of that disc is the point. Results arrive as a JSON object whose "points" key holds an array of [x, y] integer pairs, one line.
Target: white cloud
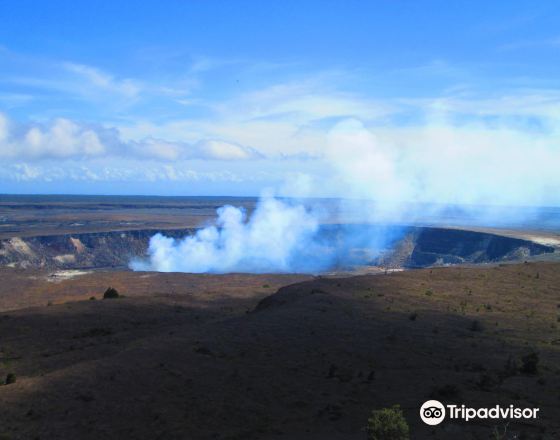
{"points": [[222, 150], [445, 163], [293, 118], [124, 171], [23, 172], [157, 149], [61, 139], [66, 139], [302, 102], [280, 121], [4, 129], [404, 145], [103, 80]]}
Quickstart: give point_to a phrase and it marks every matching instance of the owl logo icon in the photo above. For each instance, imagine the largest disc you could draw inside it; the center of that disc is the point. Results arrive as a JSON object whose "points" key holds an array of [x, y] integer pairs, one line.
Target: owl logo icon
{"points": [[432, 412]]}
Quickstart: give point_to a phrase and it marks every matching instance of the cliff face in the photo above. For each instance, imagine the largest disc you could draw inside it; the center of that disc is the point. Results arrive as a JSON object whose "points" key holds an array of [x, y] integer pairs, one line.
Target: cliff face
{"points": [[79, 251], [437, 246], [411, 247]]}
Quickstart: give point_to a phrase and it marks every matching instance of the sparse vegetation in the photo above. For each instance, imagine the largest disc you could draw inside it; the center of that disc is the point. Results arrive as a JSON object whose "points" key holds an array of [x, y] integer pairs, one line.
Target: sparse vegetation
{"points": [[500, 434], [447, 391], [10, 378], [530, 363], [476, 326], [388, 424], [511, 367], [95, 332], [488, 381], [111, 293], [455, 357]]}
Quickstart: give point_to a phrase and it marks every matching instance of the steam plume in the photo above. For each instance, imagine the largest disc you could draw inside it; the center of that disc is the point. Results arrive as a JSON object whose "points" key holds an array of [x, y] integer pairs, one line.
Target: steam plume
{"points": [[279, 237], [404, 177]]}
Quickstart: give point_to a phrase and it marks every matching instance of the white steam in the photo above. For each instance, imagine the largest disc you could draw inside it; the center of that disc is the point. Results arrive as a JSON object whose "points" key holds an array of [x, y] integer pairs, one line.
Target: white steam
{"points": [[434, 174], [443, 163], [276, 238]]}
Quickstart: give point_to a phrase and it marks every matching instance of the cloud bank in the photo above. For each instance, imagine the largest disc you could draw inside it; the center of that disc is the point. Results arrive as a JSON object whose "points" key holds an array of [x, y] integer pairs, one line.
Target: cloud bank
{"points": [[66, 139]]}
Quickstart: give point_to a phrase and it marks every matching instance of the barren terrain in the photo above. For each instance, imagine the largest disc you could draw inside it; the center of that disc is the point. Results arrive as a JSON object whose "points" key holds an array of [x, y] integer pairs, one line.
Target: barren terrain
{"points": [[29, 216], [206, 357], [285, 356]]}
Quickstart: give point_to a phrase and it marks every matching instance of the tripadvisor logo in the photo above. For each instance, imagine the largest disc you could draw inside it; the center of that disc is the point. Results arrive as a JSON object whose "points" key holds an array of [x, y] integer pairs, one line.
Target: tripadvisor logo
{"points": [[433, 412]]}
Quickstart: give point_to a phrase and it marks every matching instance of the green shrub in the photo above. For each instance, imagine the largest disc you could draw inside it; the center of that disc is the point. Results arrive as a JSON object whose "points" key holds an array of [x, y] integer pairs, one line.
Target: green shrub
{"points": [[530, 363], [387, 424], [10, 378], [448, 391], [476, 326], [500, 434], [511, 367], [111, 293]]}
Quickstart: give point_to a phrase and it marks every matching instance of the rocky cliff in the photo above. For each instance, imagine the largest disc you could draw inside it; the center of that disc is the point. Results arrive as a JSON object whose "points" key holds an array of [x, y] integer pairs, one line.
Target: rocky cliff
{"points": [[79, 251], [409, 247]]}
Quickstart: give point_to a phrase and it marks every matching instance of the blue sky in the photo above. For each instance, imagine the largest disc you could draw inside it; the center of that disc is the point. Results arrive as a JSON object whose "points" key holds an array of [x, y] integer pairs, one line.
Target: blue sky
{"points": [[228, 98]]}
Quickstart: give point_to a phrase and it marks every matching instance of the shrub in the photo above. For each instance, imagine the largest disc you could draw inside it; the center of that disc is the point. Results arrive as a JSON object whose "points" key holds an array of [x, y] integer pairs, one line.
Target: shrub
{"points": [[498, 434], [511, 367], [530, 363], [111, 293], [10, 378], [476, 326], [488, 381], [448, 391], [387, 424]]}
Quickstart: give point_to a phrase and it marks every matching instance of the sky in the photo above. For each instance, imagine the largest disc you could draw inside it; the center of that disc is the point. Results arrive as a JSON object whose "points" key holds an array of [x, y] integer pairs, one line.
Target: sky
{"points": [[230, 98]]}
